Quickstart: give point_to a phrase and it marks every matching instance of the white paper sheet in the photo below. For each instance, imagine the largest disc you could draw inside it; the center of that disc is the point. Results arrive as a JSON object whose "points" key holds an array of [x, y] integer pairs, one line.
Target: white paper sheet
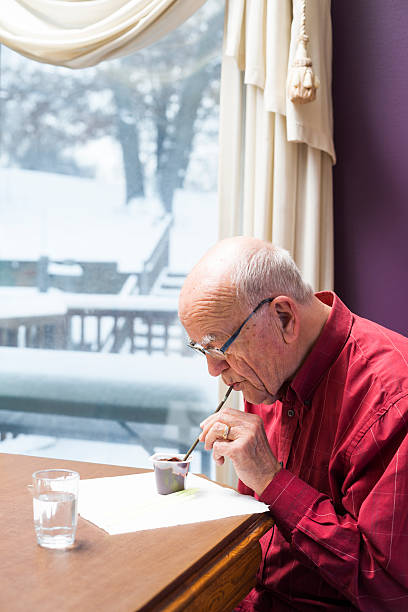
{"points": [[130, 503]]}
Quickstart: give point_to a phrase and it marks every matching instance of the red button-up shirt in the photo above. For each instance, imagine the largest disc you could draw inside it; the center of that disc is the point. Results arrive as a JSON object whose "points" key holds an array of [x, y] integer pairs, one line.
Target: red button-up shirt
{"points": [[341, 502]]}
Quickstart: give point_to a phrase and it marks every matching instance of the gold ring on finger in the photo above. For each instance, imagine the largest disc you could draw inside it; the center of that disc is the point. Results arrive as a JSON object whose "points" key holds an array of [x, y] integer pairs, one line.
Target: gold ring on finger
{"points": [[226, 431]]}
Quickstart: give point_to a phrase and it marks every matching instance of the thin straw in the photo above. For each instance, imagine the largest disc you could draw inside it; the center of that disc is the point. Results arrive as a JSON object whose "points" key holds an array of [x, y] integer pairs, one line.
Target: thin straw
{"points": [[220, 405]]}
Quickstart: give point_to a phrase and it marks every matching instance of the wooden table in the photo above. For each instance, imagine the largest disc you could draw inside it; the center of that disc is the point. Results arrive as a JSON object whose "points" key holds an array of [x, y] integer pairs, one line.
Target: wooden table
{"points": [[204, 566]]}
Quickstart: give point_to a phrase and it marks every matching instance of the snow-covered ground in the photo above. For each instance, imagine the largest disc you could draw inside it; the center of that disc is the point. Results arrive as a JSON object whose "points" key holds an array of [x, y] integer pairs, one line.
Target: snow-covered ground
{"points": [[71, 218]]}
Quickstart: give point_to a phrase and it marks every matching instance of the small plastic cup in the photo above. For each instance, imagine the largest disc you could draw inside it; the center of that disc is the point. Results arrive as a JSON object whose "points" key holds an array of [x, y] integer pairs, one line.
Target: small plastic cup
{"points": [[170, 475]]}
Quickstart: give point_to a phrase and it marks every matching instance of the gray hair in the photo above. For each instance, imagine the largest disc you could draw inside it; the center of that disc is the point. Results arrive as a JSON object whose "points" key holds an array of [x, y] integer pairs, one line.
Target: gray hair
{"points": [[267, 272]]}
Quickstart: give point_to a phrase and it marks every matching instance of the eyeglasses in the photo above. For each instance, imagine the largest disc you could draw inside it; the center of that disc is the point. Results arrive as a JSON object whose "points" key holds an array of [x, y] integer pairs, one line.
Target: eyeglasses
{"points": [[220, 352]]}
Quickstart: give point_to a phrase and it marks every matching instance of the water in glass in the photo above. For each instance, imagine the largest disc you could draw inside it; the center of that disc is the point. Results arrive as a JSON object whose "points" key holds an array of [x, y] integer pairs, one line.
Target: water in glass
{"points": [[55, 518]]}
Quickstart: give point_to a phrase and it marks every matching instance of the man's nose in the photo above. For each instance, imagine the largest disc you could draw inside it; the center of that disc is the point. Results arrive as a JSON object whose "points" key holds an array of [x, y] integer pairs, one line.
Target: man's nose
{"points": [[216, 365]]}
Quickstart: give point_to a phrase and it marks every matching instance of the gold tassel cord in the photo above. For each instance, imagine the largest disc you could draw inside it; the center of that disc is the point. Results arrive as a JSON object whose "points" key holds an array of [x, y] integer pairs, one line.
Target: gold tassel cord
{"points": [[302, 83]]}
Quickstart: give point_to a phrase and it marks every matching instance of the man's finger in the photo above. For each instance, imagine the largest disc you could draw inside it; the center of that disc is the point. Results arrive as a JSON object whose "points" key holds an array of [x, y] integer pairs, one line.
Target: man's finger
{"points": [[220, 451], [219, 431]]}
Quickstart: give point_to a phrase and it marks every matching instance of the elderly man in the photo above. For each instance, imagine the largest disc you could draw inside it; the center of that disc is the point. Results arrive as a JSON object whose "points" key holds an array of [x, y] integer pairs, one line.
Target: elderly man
{"points": [[323, 439]]}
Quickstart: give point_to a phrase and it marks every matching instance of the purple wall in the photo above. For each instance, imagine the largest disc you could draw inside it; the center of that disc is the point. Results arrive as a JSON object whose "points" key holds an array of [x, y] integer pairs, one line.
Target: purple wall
{"points": [[370, 96]]}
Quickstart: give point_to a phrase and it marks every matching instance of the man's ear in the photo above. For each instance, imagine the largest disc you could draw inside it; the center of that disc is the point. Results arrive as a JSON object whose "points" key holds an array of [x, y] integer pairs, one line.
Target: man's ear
{"points": [[288, 316]]}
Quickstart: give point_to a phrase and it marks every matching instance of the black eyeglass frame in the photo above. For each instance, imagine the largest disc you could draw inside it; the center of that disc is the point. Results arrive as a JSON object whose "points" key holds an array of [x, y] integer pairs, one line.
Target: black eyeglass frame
{"points": [[220, 352]]}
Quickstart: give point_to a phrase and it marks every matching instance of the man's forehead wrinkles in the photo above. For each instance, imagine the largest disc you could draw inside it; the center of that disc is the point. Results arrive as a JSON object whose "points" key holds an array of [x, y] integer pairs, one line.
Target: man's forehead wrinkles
{"points": [[210, 319], [215, 302], [212, 312]]}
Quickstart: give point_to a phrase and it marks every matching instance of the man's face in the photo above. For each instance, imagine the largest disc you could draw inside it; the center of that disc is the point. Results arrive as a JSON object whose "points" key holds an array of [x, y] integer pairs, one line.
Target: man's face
{"points": [[256, 362]]}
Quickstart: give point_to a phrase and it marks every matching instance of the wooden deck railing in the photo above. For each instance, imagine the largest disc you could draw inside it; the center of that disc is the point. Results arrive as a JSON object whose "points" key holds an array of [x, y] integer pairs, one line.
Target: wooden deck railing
{"points": [[101, 323], [125, 324], [157, 260]]}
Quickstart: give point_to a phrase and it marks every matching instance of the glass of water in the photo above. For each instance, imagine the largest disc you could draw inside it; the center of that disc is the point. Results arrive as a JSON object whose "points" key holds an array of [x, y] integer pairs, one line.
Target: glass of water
{"points": [[55, 507]]}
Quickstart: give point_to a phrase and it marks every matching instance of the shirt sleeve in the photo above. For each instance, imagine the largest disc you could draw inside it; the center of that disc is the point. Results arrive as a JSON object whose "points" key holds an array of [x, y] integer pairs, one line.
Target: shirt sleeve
{"points": [[361, 547]]}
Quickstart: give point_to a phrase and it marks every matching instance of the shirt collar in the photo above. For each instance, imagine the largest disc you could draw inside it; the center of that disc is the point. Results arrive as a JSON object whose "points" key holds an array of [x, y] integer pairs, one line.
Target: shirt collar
{"points": [[326, 348]]}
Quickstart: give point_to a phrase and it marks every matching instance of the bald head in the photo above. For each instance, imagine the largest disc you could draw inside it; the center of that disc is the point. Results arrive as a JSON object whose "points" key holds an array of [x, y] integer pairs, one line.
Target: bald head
{"points": [[243, 270], [213, 274]]}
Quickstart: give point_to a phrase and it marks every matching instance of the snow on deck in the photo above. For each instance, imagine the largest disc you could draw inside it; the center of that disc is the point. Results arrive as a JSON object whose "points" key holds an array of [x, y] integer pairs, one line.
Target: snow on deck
{"points": [[27, 302], [23, 302]]}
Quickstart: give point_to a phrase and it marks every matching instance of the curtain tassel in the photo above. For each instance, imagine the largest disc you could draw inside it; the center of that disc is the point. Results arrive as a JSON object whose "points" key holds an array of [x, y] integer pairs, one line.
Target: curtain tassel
{"points": [[302, 83]]}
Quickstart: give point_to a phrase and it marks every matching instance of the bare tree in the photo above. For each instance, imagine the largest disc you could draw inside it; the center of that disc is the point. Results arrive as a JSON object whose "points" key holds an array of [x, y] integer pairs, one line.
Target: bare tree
{"points": [[150, 103]]}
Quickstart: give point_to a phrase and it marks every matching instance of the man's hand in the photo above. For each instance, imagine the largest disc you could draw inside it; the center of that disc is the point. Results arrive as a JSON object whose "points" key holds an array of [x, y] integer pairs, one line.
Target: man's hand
{"points": [[247, 446]]}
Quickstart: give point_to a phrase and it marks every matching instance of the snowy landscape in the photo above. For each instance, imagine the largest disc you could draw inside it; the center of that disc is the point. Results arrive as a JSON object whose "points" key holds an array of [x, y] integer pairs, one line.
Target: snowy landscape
{"points": [[108, 181], [74, 218]]}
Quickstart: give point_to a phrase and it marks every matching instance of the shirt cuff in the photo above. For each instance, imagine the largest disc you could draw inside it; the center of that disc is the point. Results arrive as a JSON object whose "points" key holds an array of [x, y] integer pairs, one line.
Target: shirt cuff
{"points": [[289, 499]]}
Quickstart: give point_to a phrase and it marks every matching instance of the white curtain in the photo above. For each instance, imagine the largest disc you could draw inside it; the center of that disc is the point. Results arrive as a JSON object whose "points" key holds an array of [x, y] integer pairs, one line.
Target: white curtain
{"points": [[275, 171], [82, 33], [275, 178]]}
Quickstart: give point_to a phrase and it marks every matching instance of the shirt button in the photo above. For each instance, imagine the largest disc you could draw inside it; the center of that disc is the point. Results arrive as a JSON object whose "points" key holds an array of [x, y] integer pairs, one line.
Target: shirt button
{"points": [[291, 413]]}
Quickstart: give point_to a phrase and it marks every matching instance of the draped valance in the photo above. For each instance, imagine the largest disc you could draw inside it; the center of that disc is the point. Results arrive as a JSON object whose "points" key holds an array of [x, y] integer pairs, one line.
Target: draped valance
{"points": [[81, 33]]}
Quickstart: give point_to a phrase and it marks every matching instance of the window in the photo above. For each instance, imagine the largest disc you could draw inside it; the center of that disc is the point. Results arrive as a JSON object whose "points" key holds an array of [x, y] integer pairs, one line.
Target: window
{"points": [[107, 199]]}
